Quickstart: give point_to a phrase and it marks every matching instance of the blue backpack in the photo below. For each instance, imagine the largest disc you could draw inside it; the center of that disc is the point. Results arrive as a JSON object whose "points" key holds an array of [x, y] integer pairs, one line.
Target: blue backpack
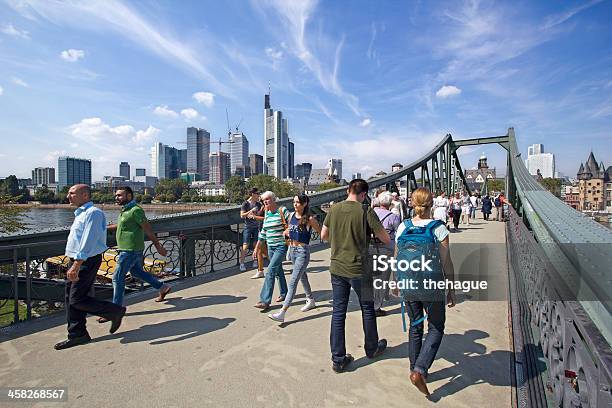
{"points": [[421, 245]]}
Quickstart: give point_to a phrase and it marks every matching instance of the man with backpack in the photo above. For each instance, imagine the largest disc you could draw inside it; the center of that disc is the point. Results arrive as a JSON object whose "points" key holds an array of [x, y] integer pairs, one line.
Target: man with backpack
{"points": [[346, 228], [498, 207], [418, 239]]}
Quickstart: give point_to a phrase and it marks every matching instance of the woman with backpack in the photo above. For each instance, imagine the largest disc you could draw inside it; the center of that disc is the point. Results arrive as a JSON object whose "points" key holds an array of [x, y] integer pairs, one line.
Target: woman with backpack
{"points": [[301, 223], [431, 236], [486, 207]]}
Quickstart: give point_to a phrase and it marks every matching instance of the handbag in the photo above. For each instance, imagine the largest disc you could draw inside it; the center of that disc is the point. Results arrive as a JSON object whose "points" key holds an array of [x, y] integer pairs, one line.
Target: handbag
{"points": [[284, 224]]}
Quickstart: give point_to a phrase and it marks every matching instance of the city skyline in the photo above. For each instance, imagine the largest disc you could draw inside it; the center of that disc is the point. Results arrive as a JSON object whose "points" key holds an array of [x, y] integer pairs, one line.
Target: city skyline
{"points": [[349, 84]]}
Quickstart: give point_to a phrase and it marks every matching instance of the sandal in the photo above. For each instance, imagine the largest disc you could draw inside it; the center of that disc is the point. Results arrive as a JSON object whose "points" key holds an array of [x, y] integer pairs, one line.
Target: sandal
{"points": [[162, 293]]}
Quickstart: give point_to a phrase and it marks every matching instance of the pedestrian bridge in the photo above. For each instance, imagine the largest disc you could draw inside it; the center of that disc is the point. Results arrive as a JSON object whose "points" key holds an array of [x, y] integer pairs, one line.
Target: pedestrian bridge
{"points": [[545, 342], [208, 346]]}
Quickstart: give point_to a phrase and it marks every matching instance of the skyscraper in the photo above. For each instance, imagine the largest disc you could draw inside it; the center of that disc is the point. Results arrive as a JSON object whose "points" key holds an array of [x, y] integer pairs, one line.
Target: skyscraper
{"points": [[239, 151], [198, 149], [73, 171], [167, 162], [276, 142], [256, 163], [43, 176], [302, 171], [219, 167], [291, 160], [141, 172], [334, 167], [538, 160], [124, 170]]}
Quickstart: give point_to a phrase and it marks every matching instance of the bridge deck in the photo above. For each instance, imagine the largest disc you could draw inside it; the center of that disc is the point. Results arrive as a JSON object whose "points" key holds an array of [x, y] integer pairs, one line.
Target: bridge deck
{"points": [[207, 345]]}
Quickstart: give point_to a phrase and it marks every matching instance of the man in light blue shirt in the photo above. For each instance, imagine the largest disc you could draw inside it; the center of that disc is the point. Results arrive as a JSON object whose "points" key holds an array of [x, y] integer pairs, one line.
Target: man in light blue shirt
{"points": [[85, 246]]}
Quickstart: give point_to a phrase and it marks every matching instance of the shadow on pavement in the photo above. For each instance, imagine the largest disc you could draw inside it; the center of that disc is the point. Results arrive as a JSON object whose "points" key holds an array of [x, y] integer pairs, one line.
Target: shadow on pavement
{"points": [[166, 332], [179, 303]]}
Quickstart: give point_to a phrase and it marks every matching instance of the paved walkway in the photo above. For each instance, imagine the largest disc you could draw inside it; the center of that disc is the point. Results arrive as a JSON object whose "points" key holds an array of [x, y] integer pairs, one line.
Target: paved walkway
{"points": [[208, 346]]}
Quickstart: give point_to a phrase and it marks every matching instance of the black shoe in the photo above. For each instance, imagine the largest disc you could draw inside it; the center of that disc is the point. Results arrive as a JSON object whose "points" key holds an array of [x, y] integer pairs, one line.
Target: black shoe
{"points": [[116, 321], [77, 341], [340, 367], [382, 345], [380, 312]]}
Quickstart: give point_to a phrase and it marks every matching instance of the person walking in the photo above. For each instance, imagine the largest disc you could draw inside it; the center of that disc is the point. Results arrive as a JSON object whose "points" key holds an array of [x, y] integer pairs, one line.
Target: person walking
{"points": [[456, 211], [131, 228], [498, 207], [272, 233], [250, 212], [486, 207], [465, 208], [423, 353], [473, 205], [390, 221], [345, 230], [85, 245], [441, 204], [301, 223]]}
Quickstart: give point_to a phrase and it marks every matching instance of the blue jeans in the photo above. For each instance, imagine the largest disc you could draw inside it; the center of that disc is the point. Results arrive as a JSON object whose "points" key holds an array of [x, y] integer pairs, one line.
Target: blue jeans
{"points": [[275, 269], [341, 290], [422, 354], [130, 261], [300, 256]]}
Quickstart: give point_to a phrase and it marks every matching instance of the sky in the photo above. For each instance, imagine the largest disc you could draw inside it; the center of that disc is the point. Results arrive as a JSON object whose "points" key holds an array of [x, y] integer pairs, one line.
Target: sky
{"points": [[373, 83]]}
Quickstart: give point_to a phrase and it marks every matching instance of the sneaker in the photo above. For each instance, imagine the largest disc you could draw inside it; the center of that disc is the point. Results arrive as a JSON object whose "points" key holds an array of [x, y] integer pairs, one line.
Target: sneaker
{"points": [[278, 316], [380, 312], [382, 345], [242, 267], [340, 367], [258, 274], [310, 304]]}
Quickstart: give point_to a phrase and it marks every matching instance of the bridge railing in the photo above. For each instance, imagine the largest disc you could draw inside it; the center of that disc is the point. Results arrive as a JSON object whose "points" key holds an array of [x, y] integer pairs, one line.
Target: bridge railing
{"points": [[560, 265]]}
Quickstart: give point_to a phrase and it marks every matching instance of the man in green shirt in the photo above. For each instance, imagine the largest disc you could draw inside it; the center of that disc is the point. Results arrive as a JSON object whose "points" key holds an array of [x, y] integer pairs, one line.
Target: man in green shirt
{"points": [[345, 230], [131, 228]]}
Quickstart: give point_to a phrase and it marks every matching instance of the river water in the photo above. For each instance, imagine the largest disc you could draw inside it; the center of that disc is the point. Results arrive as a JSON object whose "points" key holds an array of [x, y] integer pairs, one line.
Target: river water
{"points": [[39, 219]]}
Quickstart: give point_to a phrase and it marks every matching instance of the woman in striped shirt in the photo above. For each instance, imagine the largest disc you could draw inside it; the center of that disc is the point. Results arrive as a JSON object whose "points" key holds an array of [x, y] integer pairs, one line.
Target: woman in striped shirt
{"points": [[272, 233]]}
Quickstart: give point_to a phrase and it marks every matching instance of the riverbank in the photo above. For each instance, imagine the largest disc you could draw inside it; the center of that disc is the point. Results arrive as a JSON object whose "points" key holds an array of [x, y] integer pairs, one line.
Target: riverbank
{"points": [[170, 207]]}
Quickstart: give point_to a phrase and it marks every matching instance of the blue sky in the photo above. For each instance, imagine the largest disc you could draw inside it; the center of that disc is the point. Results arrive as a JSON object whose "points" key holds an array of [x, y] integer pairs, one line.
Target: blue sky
{"points": [[370, 82]]}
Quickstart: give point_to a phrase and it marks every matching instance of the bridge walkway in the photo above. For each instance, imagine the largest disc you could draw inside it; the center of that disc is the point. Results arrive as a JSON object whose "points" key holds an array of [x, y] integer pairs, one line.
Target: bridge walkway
{"points": [[208, 346]]}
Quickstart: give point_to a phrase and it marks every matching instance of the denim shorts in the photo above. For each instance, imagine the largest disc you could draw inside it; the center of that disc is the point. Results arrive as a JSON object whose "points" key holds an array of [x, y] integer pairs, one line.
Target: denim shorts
{"points": [[249, 236]]}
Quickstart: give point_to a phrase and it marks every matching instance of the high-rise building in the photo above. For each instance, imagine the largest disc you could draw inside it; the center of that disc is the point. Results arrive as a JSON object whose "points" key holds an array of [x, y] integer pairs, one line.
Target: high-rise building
{"points": [[256, 163], [73, 171], [242, 171], [276, 142], [141, 172], [356, 176], [538, 160], [43, 176], [334, 167], [124, 170], [167, 161], [220, 170], [302, 171], [239, 151], [198, 149], [291, 159]]}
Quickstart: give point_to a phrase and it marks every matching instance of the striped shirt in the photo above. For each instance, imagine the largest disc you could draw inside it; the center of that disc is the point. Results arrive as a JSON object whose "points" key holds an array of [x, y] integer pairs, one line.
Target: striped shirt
{"points": [[272, 229]]}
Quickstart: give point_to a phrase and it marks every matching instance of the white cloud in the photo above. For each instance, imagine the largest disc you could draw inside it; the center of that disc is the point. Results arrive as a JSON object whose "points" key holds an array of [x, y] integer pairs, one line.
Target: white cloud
{"points": [[274, 53], [1, 90], [146, 135], [72, 55], [20, 82], [205, 98], [164, 111], [9, 29], [562, 17], [447, 91], [366, 122], [190, 113]]}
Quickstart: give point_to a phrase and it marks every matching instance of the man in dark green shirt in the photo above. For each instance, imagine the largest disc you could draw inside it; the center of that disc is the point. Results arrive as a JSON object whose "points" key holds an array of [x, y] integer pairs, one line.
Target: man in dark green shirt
{"points": [[131, 228], [345, 230]]}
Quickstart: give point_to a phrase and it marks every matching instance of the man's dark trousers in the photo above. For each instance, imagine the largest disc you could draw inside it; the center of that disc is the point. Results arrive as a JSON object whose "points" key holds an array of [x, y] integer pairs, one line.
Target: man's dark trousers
{"points": [[79, 303], [341, 290]]}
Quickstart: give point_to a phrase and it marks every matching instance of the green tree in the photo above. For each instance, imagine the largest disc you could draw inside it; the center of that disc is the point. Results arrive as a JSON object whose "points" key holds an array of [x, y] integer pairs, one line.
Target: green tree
{"points": [[553, 185], [235, 189], [496, 185], [170, 187], [10, 218], [263, 182], [44, 195], [10, 185], [328, 186], [144, 198]]}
